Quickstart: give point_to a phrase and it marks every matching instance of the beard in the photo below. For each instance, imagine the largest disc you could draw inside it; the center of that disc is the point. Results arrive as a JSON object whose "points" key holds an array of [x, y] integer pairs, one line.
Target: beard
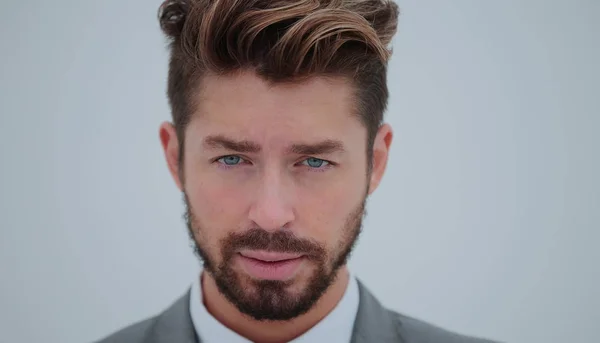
{"points": [[271, 299]]}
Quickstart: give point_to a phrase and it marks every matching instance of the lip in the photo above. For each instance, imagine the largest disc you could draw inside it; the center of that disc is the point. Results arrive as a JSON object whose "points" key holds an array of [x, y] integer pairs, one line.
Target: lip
{"points": [[269, 256], [271, 266]]}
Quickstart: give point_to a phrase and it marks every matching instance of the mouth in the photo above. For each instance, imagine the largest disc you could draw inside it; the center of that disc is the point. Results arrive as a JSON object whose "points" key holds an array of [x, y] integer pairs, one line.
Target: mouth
{"points": [[266, 265]]}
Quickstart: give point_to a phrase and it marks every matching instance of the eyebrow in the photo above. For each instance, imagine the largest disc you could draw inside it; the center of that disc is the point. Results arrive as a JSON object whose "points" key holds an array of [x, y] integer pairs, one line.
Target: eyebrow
{"points": [[327, 146], [222, 142]]}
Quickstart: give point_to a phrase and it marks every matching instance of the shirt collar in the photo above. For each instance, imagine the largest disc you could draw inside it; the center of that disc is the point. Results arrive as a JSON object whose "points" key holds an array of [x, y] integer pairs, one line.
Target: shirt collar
{"points": [[336, 327]]}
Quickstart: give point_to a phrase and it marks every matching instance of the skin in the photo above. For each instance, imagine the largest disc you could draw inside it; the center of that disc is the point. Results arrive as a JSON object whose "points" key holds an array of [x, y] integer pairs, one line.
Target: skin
{"points": [[274, 187]]}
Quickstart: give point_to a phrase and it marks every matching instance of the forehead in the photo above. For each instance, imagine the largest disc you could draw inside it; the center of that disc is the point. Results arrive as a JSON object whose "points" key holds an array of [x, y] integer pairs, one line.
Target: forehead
{"points": [[247, 107]]}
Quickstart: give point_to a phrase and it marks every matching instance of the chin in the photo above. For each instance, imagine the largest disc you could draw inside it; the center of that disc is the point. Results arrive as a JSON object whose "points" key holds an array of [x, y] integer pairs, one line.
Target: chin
{"points": [[273, 300]]}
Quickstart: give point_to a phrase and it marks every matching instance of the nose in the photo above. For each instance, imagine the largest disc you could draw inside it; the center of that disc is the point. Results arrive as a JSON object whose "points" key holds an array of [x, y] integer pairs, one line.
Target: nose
{"points": [[271, 209]]}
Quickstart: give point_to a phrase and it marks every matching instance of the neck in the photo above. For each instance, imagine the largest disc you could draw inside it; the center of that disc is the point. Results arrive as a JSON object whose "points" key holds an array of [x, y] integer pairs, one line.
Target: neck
{"points": [[271, 331]]}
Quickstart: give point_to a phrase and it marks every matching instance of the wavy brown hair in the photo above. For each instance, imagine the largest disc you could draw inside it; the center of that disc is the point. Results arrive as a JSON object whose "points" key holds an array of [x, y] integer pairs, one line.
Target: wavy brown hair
{"points": [[282, 41]]}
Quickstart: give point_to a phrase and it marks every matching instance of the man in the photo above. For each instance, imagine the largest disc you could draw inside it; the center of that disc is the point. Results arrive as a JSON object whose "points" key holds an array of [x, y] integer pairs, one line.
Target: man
{"points": [[277, 140]]}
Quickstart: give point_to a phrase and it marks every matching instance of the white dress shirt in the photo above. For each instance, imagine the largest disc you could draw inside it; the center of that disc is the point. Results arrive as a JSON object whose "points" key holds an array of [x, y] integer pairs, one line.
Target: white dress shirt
{"points": [[336, 327]]}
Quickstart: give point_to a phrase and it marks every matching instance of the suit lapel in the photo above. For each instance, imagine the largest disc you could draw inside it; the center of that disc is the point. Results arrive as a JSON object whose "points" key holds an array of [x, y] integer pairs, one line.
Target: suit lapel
{"points": [[373, 322], [174, 325]]}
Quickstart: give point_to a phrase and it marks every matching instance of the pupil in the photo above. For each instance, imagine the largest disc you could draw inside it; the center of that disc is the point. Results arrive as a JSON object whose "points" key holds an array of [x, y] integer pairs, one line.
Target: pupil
{"points": [[315, 162], [231, 159]]}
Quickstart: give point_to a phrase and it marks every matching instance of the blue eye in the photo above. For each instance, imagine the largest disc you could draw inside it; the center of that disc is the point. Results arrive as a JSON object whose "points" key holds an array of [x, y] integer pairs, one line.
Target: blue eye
{"points": [[231, 160], [315, 162]]}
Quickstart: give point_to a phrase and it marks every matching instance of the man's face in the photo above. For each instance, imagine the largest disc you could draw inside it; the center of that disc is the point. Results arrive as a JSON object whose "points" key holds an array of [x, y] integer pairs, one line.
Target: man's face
{"points": [[275, 182]]}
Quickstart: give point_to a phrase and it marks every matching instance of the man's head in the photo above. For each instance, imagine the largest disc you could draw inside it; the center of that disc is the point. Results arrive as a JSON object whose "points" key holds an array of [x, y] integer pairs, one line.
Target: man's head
{"points": [[277, 138]]}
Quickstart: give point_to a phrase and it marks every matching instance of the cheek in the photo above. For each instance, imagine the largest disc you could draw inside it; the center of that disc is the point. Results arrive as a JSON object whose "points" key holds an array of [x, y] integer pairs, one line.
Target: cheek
{"points": [[215, 194], [218, 208], [326, 210]]}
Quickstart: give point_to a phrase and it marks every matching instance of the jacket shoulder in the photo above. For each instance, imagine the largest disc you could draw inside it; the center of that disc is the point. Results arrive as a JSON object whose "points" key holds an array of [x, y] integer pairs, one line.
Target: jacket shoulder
{"points": [[134, 333], [172, 325], [418, 331]]}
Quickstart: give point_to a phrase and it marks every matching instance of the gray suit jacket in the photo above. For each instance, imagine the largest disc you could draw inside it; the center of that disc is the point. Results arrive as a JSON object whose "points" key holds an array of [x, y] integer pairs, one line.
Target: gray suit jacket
{"points": [[373, 324]]}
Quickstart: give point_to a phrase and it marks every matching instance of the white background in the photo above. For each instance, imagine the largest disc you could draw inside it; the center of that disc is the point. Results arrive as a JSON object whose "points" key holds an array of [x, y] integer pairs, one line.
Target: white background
{"points": [[486, 222]]}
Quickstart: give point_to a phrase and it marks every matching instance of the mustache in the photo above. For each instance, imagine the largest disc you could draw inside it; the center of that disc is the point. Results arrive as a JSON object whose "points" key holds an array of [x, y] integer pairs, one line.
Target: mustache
{"points": [[279, 241]]}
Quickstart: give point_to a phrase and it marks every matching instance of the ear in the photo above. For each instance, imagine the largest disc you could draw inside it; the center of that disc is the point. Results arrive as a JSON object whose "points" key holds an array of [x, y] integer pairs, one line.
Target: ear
{"points": [[381, 149], [170, 145]]}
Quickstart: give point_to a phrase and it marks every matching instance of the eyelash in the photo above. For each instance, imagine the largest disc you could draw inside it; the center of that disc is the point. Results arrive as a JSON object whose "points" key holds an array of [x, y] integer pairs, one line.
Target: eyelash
{"points": [[328, 165]]}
